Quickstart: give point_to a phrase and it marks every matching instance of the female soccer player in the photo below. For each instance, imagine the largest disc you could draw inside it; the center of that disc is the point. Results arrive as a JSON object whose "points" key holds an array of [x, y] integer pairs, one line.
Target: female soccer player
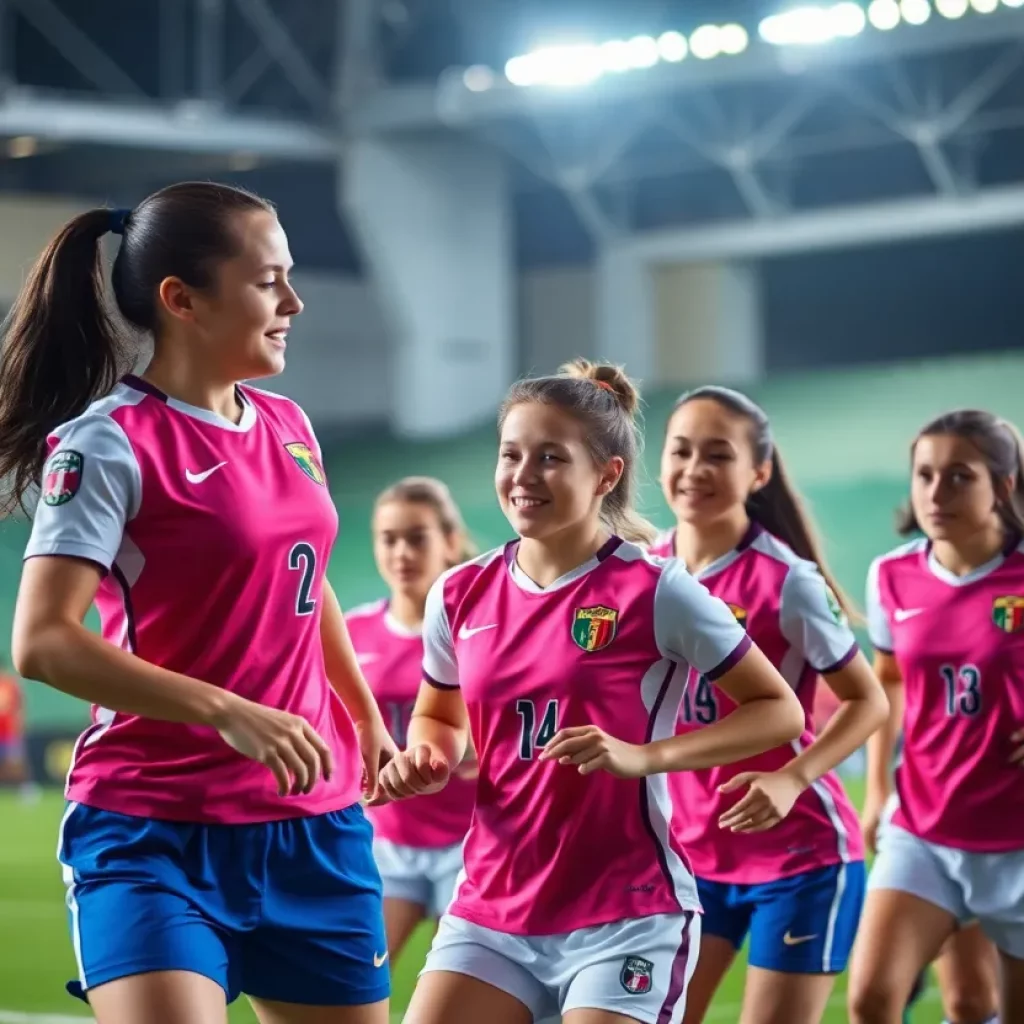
{"points": [[565, 654], [213, 840], [946, 617], [417, 534], [797, 889]]}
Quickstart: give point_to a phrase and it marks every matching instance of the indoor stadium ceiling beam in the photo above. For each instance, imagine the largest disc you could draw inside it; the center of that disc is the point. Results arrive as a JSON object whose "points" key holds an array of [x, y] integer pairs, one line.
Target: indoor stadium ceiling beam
{"points": [[993, 209], [449, 104], [172, 32], [189, 126], [277, 40], [77, 48], [209, 37], [357, 65]]}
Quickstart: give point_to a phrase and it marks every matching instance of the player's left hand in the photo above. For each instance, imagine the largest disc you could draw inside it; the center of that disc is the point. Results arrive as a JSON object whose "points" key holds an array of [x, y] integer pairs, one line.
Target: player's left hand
{"points": [[768, 800], [1017, 757], [377, 748], [590, 749]]}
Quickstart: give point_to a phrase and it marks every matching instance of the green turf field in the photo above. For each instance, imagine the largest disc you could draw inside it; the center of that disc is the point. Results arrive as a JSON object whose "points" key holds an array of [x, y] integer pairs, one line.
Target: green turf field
{"points": [[36, 957]]}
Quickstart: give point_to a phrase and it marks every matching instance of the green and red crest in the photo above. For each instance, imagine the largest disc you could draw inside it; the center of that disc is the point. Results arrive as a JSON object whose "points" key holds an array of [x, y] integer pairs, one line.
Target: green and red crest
{"points": [[62, 477], [307, 461], [594, 628], [1008, 613]]}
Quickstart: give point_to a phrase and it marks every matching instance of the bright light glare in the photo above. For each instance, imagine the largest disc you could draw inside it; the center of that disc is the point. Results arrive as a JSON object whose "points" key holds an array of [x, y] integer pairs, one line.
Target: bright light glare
{"points": [[643, 52], [884, 14], [521, 70], [984, 6], [614, 55], [568, 65], [705, 42], [916, 12], [848, 20], [478, 78], [672, 46], [1014, 3], [733, 39], [951, 8]]}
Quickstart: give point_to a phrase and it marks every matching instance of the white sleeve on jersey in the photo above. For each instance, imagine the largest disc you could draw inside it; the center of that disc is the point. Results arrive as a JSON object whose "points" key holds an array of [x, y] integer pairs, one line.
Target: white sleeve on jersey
{"points": [[440, 666], [878, 620], [90, 524], [691, 625], [812, 620]]}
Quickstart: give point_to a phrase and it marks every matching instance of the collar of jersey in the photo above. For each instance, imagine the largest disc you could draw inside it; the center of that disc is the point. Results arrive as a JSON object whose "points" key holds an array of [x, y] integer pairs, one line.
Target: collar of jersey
{"points": [[245, 424], [524, 582], [938, 570]]}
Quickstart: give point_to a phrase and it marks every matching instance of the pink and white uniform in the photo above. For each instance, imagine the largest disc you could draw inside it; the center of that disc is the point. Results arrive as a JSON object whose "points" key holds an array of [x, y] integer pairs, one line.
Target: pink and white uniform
{"points": [[417, 842], [956, 835], [575, 891], [789, 611], [149, 489]]}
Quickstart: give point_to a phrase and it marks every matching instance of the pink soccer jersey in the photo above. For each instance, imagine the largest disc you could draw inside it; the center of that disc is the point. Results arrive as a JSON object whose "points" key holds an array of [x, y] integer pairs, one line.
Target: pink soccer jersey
{"points": [[793, 617], [609, 644], [213, 538], [959, 644], [391, 657]]}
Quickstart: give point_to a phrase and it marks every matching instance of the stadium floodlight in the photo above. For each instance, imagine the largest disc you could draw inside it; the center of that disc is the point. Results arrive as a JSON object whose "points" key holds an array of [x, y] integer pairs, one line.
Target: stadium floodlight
{"points": [[951, 8], [984, 6], [672, 46], [615, 55], [916, 12], [520, 71], [643, 52], [1014, 3], [706, 42], [478, 78], [884, 14], [807, 26], [733, 39]]}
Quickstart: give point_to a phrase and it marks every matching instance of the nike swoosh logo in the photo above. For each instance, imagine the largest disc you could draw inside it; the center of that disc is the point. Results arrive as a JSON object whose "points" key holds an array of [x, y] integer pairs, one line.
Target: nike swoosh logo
{"points": [[902, 614], [790, 940], [198, 478], [465, 632], [378, 960]]}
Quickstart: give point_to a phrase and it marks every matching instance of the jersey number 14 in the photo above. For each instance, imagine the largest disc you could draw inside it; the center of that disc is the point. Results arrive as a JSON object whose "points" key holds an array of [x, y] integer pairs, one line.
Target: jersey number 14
{"points": [[535, 733]]}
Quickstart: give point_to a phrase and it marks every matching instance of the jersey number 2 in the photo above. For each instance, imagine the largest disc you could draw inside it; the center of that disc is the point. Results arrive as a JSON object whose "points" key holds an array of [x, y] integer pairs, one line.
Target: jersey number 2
{"points": [[302, 558], [533, 735], [963, 689]]}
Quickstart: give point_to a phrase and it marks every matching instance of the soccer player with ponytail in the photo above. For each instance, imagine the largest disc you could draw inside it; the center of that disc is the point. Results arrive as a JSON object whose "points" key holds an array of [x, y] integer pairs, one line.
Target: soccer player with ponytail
{"points": [[564, 654], [773, 840], [946, 618], [213, 841], [418, 533]]}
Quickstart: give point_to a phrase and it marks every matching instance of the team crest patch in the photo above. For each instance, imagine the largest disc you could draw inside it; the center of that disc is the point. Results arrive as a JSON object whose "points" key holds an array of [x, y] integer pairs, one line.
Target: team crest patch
{"points": [[1008, 613], [62, 477], [594, 628], [306, 461], [739, 613], [635, 975]]}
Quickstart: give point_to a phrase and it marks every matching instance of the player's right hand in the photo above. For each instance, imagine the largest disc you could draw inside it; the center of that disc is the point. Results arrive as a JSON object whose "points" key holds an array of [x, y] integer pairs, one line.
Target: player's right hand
{"points": [[417, 771], [287, 744], [871, 819]]}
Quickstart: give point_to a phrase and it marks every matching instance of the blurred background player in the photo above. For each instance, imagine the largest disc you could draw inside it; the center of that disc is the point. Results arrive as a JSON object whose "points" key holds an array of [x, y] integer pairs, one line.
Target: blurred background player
{"points": [[13, 768], [565, 654], [797, 889], [946, 616], [418, 533], [194, 512]]}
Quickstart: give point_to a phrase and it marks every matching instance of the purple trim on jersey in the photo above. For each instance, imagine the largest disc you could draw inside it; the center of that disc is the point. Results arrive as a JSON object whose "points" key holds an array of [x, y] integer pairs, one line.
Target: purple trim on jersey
{"points": [[608, 548], [144, 386], [645, 808], [722, 667], [754, 530], [677, 979], [884, 650], [842, 662], [510, 553], [437, 684], [129, 612]]}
